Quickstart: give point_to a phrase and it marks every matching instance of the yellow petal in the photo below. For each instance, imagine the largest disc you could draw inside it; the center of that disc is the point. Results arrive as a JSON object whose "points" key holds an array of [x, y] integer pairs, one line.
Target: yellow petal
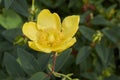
{"points": [[66, 44], [33, 46], [70, 25], [30, 30], [37, 47], [48, 20]]}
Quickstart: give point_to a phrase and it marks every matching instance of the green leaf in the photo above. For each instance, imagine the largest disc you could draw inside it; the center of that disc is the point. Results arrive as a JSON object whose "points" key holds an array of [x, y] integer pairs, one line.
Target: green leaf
{"points": [[90, 76], [113, 77], [119, 52], [2, 75], [61, 59], [13, 68], [4, 46], [87, 32], [11, 34], [8, 3], [1, 55], [112, 34], [74, 3], [47, 2], [20, 78], [1, 30], [59, 3], [21, 7], [51, 3], [83, 54], [111, 11], [43, 61], [86, 65], [69, 62], [83, 16], [9, 19], [39, 76], [104, 53], [28, 61], [100, 20]]}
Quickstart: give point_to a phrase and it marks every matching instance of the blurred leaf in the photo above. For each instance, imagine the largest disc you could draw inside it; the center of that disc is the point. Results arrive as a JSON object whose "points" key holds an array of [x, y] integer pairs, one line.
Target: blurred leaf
{"points": [[59, 3], [2, 75], [104, 53], [75, 3], [98, 66], [21, 7], [113, 77], [111, 11], [83, 54], [61, 59], [119, 51], [11, 34], [68, 63], [83, 16], [119, 1], [4, 46], [13, 68], [87, 32], [39, 76], [90, 76], [28, 61], [86, 65], [112, 34], [52, 3], [1, 30], [43, 61], [1, 55], [8, 3], [100, 7], [71, 3], [20, 78], [47, 2], [100, 20], [9, 19]]}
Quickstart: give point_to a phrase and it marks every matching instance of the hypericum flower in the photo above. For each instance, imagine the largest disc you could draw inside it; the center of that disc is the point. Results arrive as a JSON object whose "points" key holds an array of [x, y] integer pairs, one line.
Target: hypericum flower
{"points": [[49, 34]]}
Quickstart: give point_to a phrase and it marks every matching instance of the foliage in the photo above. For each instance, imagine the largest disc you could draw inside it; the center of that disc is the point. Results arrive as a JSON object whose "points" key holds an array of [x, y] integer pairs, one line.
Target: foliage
{"points": [[95, 56]]}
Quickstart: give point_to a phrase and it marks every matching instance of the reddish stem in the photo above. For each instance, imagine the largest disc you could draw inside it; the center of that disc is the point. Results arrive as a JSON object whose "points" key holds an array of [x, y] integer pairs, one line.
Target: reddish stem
{"points": [[54, 61]]}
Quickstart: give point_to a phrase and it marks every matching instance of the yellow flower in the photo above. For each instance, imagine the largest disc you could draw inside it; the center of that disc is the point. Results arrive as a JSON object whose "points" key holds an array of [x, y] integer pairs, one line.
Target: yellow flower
{"points": [[49, 34]]}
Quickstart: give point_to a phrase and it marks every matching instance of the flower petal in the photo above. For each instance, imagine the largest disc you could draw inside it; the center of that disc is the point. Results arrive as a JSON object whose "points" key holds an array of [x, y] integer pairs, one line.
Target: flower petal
{"points": [[48, 20], [33, 46], [70, 25], [66, 44], [30, 30], [37, 47]]}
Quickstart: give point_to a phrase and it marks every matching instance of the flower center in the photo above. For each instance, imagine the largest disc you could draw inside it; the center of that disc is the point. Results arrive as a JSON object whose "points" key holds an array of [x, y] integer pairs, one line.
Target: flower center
{"points": [[51, 38]]}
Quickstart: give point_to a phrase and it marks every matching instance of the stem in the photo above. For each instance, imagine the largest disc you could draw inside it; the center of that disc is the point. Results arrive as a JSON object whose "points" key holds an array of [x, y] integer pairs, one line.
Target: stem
{"points": [[32, 11], [33, 5], [64, 77], [54, 61]]}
